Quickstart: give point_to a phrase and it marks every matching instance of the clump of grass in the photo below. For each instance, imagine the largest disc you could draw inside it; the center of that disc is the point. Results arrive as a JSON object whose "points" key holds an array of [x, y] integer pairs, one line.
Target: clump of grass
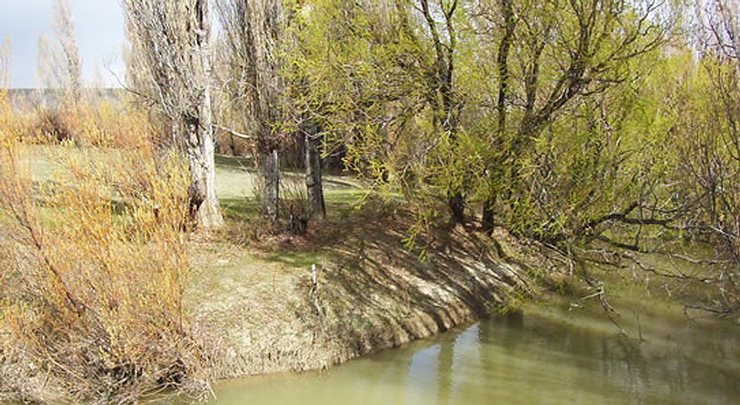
{"points": [[93, 270], [294, 206], [293, 214]]}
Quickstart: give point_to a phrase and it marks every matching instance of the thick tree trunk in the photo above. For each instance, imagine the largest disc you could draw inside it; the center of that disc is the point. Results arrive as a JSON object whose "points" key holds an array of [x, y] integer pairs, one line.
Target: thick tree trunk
{"points": [[269, 166], [204, 209], [314, 184], [200, 147]]}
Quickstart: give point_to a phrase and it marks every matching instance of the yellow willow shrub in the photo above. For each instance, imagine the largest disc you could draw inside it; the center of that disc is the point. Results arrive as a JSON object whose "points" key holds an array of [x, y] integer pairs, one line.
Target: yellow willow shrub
{"points": [[95, 263], [105, 125], [98, 124], [9, 122], [125, 128], [50, 126]]}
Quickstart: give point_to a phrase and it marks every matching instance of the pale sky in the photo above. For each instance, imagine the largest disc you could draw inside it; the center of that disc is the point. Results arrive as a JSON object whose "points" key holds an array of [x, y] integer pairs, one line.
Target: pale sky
{"points": [[100, 36]]}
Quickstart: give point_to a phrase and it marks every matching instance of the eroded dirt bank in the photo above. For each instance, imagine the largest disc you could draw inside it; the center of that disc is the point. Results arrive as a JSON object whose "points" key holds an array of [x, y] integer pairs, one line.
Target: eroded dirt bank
{"points": [[261, 311]]}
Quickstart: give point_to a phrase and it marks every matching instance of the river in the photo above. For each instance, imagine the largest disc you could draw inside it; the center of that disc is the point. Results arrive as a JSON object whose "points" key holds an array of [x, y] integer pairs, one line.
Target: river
{"points": [[552, 354]]}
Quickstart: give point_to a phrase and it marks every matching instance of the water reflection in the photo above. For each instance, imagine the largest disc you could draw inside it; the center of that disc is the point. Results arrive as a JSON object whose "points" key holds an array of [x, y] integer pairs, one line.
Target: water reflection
{"points": [[542, 358]]}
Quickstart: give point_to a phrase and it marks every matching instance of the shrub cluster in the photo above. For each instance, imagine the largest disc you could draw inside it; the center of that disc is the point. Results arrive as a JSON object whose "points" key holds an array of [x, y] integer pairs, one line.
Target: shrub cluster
{"points": [[93, 265]]}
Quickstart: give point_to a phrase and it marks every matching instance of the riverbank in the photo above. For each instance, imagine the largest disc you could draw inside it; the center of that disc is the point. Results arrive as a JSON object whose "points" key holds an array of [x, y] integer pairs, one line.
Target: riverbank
{"points": [[569, 355], [260, 302], [255, 301], [261, 309]]}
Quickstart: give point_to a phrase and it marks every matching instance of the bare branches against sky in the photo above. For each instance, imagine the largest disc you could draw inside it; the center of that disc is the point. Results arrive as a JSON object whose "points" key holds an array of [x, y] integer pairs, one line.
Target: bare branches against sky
{"points": [[99, 27]]}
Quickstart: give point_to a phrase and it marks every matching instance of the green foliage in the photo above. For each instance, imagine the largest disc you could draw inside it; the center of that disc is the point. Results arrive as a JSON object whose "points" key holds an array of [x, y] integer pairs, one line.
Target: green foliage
{"points": [[572, 146], [579, 124]]}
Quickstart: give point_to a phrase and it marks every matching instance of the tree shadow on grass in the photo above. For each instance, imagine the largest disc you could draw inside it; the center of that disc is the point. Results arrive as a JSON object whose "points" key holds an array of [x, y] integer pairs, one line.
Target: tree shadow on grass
{"points": [[239, 208], [383, 294]]}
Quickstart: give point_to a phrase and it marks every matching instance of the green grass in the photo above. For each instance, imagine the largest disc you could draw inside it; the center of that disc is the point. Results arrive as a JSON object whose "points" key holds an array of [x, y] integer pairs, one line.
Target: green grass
{"points": [[236, 181]]}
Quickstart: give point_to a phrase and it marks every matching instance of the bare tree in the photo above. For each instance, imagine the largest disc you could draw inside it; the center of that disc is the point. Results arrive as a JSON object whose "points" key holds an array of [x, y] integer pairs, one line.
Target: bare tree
{"points": [[253, 31], [714, 160], [59, 64], [170, 49]]}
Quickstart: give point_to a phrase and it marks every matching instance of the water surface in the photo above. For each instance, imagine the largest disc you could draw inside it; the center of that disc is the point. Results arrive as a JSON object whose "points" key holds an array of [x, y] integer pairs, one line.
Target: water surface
{"points": [[549, 355]]}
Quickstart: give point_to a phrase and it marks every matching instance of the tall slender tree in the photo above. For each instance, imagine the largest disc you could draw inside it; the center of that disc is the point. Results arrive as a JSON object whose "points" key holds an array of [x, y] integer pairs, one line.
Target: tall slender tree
{"points": [[5, 51], [441, 80], [302, 107], [59, 62], [254, 31]]}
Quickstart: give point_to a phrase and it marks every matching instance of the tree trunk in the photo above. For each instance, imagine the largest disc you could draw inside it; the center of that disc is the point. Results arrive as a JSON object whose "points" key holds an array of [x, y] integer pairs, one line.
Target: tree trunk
{"points": [[204, 209], [270, 171], [456, 202], [488, 215], [200, 147], [314, 184], [502, 64]]}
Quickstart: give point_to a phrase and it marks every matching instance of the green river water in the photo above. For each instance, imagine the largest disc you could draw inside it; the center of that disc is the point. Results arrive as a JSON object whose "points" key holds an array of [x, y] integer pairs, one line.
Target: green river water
{"points": [[549, 355]]}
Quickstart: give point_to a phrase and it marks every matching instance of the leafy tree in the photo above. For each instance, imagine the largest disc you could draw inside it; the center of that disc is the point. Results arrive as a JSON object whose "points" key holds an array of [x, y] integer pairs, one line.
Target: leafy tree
{"points": [[564, 54]]}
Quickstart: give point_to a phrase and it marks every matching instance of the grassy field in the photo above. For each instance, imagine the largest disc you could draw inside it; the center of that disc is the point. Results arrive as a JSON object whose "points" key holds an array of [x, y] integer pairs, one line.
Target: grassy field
{"points": [[236, 183], [236, 180]]}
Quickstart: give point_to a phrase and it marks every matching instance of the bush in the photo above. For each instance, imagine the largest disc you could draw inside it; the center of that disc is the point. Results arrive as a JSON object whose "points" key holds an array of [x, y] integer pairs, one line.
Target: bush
{"points": [[99, 125], [93, 269], [52, 125]]}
